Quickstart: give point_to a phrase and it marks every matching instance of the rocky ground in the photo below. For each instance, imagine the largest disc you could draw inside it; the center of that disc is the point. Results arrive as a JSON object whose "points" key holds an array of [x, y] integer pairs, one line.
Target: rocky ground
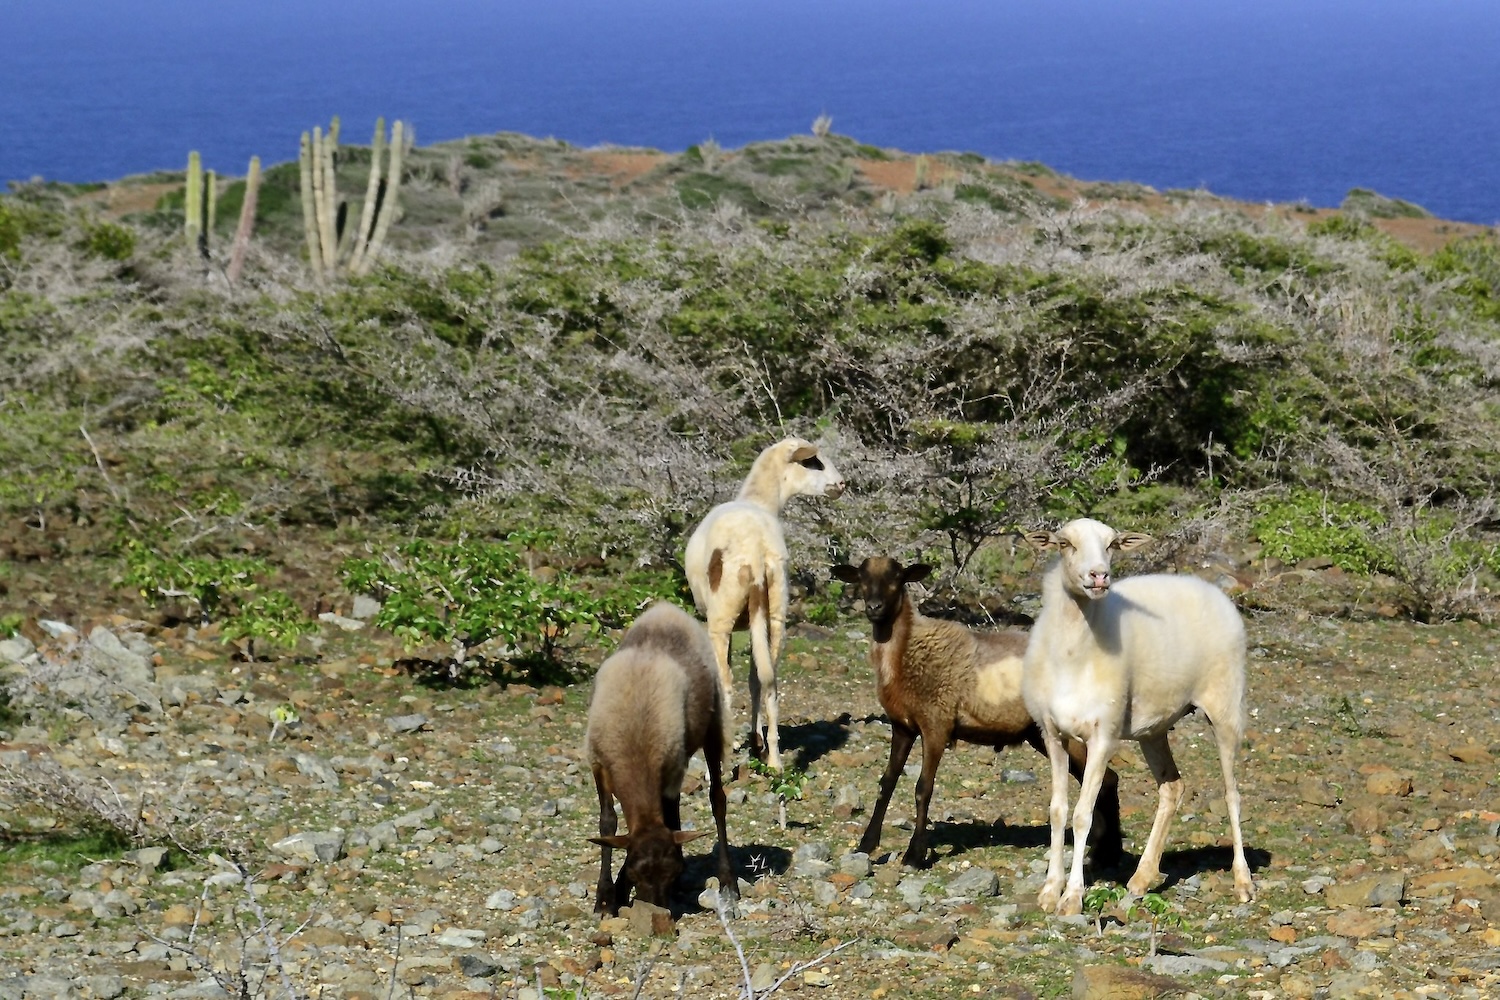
{"points": [[357, 833]]}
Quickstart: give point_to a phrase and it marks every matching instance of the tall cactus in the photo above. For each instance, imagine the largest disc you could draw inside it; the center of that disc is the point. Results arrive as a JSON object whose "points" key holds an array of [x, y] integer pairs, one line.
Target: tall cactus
{"points": [[372, 193], [386, 208], [192, 208], [247, 222], [309, 208], [210, 205]]}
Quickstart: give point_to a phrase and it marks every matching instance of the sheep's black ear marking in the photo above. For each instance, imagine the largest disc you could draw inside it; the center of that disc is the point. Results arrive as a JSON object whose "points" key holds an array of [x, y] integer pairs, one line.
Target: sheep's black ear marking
{"points": [[1130, 540], [815, 463], [915, 572], [804, 452], [845, 572], [1039, 540]]}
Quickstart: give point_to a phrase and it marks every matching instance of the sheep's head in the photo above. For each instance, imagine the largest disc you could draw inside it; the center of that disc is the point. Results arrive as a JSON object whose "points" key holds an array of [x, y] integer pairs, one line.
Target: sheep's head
{"points": [[653, 860], [880, 582], [809, 473], [1086, 548]]}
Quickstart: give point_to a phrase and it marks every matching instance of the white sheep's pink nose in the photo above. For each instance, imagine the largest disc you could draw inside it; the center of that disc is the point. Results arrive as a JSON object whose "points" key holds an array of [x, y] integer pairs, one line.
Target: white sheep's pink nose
{"points": [[1097, 580], [835, 490]]}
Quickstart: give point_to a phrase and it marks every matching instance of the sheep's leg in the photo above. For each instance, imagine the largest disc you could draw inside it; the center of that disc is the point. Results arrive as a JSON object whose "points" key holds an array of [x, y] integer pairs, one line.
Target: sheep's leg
{"points": [[1057, 815], [901, 742], [762, 684], [933, 745], [1228, 738], [1168, 796], [776, 601], [729, 889], [1100, 749], [1109, 844], [671, 816], [605, 900], [720, 639]]}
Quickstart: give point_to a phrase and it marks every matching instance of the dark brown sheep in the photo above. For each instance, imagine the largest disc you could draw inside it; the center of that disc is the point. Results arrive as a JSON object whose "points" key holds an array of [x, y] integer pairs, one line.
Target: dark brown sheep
{"points": [[656, 702], [945, 682]]}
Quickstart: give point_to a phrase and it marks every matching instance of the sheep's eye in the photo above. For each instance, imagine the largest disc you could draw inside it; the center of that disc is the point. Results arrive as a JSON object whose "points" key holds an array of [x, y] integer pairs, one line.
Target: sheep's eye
{"points": [[1064, 544], [815, 463]]}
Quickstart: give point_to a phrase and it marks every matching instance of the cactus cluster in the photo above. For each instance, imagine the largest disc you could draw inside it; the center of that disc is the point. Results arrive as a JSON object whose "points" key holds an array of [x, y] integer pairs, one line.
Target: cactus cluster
{"points": [[333, 247], [246, 224], [200, 203]]}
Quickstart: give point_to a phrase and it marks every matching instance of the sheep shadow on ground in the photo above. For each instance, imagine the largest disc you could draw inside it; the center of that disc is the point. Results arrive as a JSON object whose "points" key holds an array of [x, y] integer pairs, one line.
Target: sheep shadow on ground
{"points": [[806, 742], [961, 837], [751, 862], [1182, 864]]}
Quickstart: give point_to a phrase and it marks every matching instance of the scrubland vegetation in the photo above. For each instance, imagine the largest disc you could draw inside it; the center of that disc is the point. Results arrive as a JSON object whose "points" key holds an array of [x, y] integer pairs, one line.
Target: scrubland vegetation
{"points": [[555, 347]]}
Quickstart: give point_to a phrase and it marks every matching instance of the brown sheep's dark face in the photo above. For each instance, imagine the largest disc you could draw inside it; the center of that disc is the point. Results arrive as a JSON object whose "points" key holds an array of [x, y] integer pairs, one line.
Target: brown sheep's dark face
{"points": [[881, 583], [654, 863]]}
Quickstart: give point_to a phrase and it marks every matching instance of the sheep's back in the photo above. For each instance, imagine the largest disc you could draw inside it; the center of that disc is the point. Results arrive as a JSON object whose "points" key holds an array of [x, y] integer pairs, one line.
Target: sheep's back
{"points": [[1189, 632], [657, 699]]}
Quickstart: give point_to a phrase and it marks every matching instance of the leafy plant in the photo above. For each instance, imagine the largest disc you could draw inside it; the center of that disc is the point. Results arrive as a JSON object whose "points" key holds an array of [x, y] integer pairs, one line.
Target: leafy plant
{"points": [[1099, 899], [270, 617], [1158, 911], [109, 240], [785, 782], [470, 592], [10, 624], [207, 582]]}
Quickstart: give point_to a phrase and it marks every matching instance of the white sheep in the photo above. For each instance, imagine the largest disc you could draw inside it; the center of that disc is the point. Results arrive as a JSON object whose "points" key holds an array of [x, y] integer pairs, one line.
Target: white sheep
{"points": [[943, 681], [736, 564], [1124, 661], [656, 702]]}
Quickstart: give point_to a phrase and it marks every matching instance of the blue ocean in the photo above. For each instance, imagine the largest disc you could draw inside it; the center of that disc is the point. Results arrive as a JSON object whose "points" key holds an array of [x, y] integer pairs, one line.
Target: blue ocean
{"points": [[1279, 100]]}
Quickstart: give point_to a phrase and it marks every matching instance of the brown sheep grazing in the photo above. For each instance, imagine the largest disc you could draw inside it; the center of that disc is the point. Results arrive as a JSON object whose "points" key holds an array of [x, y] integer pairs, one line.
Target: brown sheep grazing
{"points": [[944, 682], [656, 702]]}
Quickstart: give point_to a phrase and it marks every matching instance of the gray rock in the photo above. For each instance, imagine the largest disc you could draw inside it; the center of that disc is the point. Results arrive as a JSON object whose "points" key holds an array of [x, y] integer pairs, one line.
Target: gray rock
{"points": [[763, 978], [856, 863], [107, 654], [825, 893], [16, 649], [418, 818], [910, 890], [204, 989], [406, 723], [1385, 889], [340, 622], [814, 852], [104, 987], [365, 607], [147, 858], [1014, 776], [477, 966], [461, 937], [316, 767], [1183, 965], [317, 846], [975, 882], [500, 899]]}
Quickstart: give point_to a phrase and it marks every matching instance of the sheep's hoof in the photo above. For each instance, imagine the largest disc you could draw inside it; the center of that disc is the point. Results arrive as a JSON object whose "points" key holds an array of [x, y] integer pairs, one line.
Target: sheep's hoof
{"points": [[1071, 904], [1047, 898]]}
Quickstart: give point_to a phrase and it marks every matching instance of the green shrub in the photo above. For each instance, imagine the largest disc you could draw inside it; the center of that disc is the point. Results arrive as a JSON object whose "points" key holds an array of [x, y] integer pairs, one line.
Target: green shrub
{"points": [[271, 617], [1305, 524], [210, 583], [109, 240], [468, 593]]}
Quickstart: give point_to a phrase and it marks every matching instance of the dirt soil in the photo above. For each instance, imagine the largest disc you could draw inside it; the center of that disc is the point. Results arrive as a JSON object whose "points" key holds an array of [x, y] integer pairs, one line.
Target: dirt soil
{"points": [[1369, 780]]}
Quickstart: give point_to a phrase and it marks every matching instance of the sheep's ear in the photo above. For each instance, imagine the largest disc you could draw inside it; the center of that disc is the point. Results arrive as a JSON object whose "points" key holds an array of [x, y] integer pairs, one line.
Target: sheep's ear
{"points": [[1039, 540], [616, 840], [845, 572], [1130, 540], [803, 453], [915, 572], [680, 837]]}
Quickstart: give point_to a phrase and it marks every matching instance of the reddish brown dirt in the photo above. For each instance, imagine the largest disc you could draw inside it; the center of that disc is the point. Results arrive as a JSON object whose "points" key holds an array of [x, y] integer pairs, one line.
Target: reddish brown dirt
{"points": [[620, 168]]}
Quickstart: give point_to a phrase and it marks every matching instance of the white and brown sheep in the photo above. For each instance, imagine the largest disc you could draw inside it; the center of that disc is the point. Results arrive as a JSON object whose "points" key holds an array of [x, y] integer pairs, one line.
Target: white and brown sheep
{"points": [[656, 702], [943, 681], [736, 564], [1111, 661]]}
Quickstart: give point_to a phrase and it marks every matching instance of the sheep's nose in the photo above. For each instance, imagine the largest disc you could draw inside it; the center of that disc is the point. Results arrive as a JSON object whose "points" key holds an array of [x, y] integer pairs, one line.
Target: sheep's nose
{"points": [[1098, 578]]}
